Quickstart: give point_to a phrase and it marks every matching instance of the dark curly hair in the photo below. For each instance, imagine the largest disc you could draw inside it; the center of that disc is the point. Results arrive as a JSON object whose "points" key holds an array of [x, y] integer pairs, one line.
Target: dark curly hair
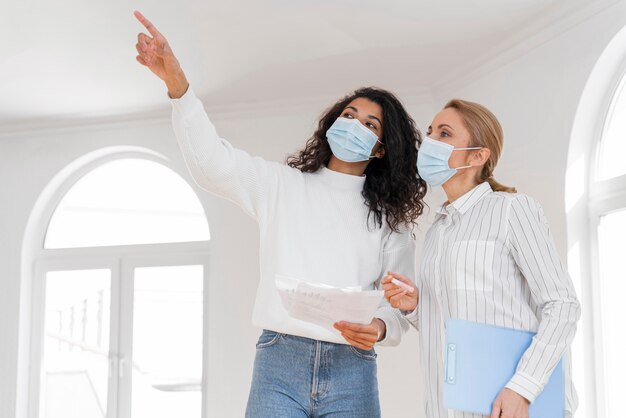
{"points": [[392, 188]]}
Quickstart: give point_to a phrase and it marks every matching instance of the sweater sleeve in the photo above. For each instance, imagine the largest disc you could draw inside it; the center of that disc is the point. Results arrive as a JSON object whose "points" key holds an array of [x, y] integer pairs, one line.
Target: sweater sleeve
{"points": [[413, 316], [534, 252], [399, 257], [215, 165]]}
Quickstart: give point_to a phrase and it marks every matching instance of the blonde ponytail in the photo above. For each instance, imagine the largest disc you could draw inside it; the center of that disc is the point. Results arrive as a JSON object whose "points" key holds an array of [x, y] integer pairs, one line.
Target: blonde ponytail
{"points": [[498, 187]]}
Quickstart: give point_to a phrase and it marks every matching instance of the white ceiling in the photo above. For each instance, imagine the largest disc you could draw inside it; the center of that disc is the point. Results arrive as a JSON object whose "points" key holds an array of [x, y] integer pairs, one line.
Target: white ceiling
{"points": [[76, 58]]}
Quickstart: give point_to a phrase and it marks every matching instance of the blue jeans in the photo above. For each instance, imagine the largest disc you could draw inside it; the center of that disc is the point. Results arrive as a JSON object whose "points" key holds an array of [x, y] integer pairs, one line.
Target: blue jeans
{"points": [[298, 377]]}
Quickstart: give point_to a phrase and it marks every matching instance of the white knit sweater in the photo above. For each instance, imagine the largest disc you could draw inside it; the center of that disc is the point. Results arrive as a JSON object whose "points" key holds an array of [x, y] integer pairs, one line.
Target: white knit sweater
{"points": [[314, 226]]}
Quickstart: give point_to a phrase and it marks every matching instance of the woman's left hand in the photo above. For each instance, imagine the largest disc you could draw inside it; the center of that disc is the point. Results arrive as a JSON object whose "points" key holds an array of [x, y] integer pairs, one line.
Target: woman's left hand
{"points": [[510, 404], [360, 335]]}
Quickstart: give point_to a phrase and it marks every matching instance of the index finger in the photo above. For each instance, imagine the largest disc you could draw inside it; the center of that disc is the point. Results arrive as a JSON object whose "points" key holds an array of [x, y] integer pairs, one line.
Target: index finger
{"points": [[148, 25]]}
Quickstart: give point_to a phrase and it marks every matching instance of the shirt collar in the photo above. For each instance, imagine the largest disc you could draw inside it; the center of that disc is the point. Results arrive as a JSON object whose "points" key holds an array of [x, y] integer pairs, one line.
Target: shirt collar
{"points": [[465, 202]]}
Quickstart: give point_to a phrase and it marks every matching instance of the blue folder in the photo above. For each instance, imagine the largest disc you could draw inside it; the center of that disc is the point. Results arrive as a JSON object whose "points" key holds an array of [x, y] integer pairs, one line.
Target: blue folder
{"points": [[480, 360]]}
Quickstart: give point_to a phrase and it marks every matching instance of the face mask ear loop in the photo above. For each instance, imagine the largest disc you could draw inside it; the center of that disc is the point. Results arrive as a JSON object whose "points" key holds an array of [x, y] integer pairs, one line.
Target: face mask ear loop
{"points": [[467, 149], [373, 156], [465, 166]]}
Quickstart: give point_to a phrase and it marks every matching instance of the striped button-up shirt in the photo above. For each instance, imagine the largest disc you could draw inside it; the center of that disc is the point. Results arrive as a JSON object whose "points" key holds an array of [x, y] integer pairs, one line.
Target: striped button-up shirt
{"points": [[489, 257]]}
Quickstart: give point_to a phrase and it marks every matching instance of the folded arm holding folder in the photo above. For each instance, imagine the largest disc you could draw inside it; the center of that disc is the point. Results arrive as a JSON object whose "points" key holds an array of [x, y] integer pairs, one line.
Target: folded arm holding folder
{"points": [[523, 262], [480, 359]]}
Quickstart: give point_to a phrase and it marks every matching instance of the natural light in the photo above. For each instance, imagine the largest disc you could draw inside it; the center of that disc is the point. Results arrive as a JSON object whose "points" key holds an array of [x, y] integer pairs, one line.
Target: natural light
{"points": [[124, 341], [167, 342], [75, 369], [124, 202], [611, 236]]}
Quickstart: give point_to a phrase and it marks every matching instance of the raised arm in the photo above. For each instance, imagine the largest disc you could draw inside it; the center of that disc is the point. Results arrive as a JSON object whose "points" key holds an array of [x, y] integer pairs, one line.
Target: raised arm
{"points": [[215, 165]]}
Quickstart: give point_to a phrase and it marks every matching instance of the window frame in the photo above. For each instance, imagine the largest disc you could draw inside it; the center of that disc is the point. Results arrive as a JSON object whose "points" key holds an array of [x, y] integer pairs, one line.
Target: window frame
{"points": [[617, 86], [121, 261], [605, 197], [588, 198], [83, 173]]}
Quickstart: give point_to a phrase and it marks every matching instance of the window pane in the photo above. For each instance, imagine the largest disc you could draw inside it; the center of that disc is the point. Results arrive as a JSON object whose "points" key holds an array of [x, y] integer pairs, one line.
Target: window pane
{"points": [[613, 284], [76, 344], [124, 202], [613, 144], [167, 342]]}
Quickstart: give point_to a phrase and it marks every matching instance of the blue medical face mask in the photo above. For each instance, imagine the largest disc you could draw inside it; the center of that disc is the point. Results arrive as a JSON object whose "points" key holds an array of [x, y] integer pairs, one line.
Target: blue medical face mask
{"points": [[350, 141], [432, 161]]}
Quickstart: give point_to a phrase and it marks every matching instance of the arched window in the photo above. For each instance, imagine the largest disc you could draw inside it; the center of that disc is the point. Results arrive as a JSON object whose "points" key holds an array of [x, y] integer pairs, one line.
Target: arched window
{"points": [[608, 216], [125, 202], [611, 163], [596, 217], [118, 306]]}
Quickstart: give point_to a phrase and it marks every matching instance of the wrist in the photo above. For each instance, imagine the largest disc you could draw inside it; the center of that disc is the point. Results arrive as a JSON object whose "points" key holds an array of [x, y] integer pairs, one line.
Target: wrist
{"points": [[177, 86], [381, 327], [407, 311]]}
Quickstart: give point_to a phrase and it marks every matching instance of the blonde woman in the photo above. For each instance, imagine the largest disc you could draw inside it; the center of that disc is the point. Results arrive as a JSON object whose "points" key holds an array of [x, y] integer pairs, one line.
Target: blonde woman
{"points": [[489, 257]]}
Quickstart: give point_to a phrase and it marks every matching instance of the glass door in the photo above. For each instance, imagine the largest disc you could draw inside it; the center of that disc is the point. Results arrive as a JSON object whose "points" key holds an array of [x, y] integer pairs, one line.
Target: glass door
{"points": [[75, 363]]}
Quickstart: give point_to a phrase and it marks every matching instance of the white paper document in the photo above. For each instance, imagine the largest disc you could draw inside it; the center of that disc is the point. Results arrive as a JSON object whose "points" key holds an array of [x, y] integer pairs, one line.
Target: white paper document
{"points": [[324, 305]]}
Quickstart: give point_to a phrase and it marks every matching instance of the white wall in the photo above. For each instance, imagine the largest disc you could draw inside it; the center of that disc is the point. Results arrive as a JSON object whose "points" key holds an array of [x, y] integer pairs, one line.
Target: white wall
{"points": [[535, 97], [535, 94]]}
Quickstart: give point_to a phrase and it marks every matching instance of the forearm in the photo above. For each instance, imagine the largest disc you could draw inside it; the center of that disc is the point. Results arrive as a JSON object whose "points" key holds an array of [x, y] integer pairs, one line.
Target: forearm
{"points": [[399, 260], [214, 163], [555, 334], [197, 139], [412, 317], [535, 255]]}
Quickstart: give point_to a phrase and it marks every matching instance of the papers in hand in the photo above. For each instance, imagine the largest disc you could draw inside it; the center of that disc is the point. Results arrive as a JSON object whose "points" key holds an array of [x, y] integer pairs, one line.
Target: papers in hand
{"points": [[324, 305]]}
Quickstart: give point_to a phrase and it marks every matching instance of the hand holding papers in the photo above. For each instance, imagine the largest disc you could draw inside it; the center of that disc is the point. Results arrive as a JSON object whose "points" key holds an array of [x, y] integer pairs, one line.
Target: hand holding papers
{"points": [[324, 305]]}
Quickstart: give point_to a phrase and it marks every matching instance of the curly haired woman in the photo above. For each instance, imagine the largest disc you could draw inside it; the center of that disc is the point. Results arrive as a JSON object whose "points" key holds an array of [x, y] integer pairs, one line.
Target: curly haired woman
{"points": [[339, 213]]}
